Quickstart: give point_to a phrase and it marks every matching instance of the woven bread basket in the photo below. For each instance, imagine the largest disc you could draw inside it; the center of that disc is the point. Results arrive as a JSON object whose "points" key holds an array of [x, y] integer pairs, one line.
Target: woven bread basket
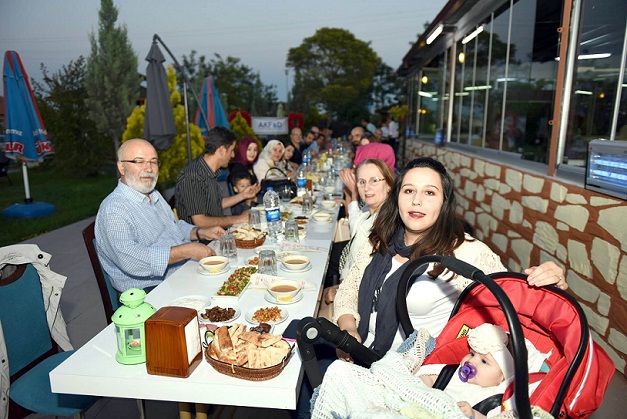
{"points": [[249, 244], [245, 373]]}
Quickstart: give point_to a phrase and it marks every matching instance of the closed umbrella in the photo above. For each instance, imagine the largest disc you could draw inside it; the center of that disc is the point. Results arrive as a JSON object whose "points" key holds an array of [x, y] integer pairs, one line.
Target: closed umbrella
{"points": [[212, 108], [159, 126], [26, 136]]}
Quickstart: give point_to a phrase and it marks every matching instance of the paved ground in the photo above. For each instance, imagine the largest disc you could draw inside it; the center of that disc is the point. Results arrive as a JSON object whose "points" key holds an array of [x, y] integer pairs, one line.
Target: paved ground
{"points": [[82, 307]]}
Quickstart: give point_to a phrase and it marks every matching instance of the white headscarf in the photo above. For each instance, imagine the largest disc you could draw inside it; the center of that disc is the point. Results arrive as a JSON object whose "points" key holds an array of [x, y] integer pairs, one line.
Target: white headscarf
{"points": [[266, 153]]}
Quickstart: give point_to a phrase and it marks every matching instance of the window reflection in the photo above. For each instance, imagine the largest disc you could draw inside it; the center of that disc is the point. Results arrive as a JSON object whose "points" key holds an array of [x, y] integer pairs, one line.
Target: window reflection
{"points": [[599, 55]]}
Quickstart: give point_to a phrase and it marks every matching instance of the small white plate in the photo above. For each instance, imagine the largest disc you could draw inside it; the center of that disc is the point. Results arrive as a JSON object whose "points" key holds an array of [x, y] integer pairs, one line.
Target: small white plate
{"points": [[251, 312], [238, 313], [203, 271], [270, 298], [292, 271], [197, 302], [276, 249], [248, 260]]}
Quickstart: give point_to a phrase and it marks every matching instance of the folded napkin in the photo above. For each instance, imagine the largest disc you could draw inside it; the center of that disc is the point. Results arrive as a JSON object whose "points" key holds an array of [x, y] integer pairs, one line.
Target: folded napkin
{"points": [[263, 281], [301, 247]]}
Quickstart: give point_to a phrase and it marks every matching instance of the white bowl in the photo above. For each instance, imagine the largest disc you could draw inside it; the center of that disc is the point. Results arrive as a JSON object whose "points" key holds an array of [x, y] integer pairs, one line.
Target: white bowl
{"points": [[296, 262], [329, 189], [329, 204], [322, 217], [214, 262], [283, 290]]}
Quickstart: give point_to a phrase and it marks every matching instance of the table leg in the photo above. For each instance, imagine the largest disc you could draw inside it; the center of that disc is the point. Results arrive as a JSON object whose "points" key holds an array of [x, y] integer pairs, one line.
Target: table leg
{"points": [[185, 410], [201, 410]]}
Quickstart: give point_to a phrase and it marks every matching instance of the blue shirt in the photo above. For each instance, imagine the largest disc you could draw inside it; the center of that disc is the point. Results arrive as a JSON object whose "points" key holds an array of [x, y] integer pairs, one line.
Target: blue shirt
{"points": [[134, 234]]}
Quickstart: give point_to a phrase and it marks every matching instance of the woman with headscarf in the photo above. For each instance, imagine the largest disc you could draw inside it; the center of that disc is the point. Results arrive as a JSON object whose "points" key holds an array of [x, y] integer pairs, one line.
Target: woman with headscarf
{"points": [[246, 156], [268, 159]]}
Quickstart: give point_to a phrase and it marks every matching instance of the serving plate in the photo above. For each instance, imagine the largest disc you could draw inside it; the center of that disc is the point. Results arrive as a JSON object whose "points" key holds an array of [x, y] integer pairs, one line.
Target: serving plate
{"points": [[251, 312], [238, 313], [232, 298], [196, 302]]}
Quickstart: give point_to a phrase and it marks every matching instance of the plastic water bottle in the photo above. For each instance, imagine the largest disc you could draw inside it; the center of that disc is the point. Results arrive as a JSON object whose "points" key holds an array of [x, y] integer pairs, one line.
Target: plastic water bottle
{"points": [[273, 212], [301, 180]]}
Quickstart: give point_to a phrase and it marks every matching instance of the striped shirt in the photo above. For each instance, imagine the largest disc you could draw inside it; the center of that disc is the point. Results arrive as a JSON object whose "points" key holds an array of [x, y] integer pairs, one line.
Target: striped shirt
{"points": [[134, 235], [198, 191]]}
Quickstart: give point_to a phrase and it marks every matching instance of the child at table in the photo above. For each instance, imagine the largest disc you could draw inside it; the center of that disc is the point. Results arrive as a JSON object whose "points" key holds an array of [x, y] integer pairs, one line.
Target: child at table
{"points": [[240, 180]]}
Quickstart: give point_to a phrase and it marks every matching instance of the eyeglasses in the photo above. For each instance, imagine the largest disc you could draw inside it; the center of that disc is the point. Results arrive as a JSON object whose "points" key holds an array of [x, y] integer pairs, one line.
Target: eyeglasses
{"points": [[142, 162], [372, 182]]}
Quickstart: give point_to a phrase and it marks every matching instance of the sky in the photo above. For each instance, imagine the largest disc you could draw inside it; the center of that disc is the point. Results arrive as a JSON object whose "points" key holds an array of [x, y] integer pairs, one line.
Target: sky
{"points": [[258, 32]]}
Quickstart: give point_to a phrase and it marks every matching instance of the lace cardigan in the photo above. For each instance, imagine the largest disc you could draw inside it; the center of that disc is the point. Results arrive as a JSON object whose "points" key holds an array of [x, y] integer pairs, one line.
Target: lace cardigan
{"points": [[471, 251]]}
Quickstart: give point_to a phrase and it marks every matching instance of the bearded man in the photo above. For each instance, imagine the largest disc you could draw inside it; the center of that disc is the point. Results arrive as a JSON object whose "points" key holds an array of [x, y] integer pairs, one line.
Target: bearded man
{"points": [[138, 239]]}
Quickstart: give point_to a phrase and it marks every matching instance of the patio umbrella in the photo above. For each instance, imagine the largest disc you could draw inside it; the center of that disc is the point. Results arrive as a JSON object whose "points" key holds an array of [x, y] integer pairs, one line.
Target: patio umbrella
{"points": [[212, 107], [26, 135], [159, 126]]}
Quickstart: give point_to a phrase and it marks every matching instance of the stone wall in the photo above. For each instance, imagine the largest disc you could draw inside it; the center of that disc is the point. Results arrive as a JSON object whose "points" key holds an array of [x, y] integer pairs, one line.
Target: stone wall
{"points": [[528, 219]]}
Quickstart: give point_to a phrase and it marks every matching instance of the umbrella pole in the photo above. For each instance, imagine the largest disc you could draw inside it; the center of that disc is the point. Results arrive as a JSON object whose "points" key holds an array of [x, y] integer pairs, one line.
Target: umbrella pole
{"points": [[27, 198], [186, 83], [189, 141]]}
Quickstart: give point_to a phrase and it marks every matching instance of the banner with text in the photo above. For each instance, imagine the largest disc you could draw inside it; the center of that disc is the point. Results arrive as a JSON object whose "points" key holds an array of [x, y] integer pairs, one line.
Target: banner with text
{"points": [[262, 125]]}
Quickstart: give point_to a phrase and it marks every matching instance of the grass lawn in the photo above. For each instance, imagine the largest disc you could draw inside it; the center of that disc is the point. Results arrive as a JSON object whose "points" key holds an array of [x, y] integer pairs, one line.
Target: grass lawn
{"points": [[75, 199]]}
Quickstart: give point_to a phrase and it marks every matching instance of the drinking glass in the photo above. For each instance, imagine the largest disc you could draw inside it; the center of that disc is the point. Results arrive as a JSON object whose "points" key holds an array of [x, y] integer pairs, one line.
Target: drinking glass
{"points": [[267, 262], [285, 193], [291, 231], [228, 248], [254, 218], [307, 204]]}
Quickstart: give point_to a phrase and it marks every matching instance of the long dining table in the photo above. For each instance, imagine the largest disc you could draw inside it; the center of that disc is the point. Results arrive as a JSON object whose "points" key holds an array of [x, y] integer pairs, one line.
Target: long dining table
{"points": [[93, 369]]}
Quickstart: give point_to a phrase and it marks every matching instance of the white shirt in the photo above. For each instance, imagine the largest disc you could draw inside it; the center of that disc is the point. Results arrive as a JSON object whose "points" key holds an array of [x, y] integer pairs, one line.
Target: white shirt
{"points": [[429, 304]]}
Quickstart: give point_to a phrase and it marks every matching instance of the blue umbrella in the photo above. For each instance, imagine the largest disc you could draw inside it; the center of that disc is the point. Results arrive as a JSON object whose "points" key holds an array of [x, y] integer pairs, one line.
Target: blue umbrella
{"points": [[212, 107], [26, 136]]}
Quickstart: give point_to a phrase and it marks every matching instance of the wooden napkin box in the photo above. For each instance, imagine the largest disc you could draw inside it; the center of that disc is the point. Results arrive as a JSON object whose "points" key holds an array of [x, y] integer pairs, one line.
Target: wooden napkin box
{"points": [[173, 342]]}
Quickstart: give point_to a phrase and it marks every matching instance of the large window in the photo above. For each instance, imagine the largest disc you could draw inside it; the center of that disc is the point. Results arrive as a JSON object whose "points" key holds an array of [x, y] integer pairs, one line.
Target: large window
{"points": [[594, 112]]}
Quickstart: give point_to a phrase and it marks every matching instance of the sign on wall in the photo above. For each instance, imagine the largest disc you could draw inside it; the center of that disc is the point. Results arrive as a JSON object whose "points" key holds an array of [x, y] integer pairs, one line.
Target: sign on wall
{"points": [[269, 125]]}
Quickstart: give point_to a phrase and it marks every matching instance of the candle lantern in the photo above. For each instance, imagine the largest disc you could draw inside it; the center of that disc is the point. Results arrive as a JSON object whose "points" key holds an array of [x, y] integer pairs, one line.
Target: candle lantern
{"points": [[129, 321]]}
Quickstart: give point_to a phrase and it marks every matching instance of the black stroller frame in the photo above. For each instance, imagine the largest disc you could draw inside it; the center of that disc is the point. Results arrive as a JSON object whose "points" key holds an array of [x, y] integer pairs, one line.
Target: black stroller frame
{"points": [[310, 329]]}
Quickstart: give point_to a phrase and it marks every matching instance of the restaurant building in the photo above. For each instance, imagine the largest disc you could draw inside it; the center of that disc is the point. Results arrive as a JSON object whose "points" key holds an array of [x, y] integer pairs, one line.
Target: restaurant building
{"points": [[509, 95]]}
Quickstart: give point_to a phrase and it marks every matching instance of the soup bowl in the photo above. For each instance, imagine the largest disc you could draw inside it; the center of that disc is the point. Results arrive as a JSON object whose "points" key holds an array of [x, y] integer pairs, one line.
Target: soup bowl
{"points": [[214, 262], [284, 290], [295, 262]]}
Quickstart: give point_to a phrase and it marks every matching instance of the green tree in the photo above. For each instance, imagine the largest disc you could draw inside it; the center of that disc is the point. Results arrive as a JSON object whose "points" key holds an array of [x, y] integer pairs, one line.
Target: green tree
{"points": [[240, 87], [175, 158], [385, 86], [112, 80], [80, 151], [241, 128], [334, 71]]}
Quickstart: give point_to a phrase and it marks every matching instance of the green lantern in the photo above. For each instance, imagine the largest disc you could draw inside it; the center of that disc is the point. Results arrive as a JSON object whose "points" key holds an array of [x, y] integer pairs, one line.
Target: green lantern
{"points": [[129, 322]]}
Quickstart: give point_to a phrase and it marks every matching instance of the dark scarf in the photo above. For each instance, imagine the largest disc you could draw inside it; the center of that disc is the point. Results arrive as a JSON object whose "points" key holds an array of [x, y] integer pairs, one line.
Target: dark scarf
{"points": [[373, 288]]}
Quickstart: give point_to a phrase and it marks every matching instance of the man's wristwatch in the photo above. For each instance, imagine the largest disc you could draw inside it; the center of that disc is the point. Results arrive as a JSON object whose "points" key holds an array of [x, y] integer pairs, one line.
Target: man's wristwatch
{"points": [[197, 235]]}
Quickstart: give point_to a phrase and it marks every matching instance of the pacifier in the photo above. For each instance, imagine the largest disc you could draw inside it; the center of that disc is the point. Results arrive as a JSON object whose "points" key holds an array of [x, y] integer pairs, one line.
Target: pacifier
{"points": [[466, 372]]}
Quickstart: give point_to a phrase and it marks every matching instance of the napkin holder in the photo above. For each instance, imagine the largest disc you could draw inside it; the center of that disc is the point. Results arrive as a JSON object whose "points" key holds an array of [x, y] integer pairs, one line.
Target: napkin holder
{"points": [[173, 342]]}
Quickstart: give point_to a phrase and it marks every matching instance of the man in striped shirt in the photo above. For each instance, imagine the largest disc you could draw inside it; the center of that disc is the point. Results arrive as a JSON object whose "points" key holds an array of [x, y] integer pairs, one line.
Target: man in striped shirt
{"points": [[139, 241], [198, 197]]}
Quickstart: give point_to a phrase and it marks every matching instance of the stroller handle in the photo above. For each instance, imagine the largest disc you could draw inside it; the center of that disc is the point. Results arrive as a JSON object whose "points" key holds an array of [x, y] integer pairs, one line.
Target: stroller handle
{"points": [[521, 379]]}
